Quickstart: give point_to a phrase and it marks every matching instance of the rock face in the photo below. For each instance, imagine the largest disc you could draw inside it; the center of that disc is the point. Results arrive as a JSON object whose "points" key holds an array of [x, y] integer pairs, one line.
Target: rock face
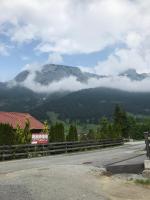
{"points": [[133, 75], [22, 76], [146, 173], [50, 73]]}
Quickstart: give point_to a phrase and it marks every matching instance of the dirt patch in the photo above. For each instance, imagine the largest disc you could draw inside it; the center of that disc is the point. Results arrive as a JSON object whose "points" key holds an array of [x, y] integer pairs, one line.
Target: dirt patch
{"points": [[120, 189]]}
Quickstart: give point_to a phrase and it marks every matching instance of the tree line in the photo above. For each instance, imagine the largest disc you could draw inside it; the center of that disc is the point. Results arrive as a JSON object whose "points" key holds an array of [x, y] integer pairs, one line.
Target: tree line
{"points": [[10, 136], [121, 124]]}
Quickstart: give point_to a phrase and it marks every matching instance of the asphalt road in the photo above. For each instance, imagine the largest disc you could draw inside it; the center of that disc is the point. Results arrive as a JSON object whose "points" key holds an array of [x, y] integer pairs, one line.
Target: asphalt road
{"points": [[61, 177]]}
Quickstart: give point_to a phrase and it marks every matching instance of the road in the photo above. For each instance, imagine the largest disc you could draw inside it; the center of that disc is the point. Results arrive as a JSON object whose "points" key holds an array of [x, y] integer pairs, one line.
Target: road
{"points": [[61, 177]]}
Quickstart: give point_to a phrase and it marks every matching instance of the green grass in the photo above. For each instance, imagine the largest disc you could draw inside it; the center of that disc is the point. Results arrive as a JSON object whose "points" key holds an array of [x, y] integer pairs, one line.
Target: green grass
{"points": [[143, 181]]}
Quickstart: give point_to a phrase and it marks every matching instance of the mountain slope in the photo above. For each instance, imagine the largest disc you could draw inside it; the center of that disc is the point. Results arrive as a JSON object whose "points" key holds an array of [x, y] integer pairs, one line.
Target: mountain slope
{"points": [[87, 104], [17, 99], [91, 104]]}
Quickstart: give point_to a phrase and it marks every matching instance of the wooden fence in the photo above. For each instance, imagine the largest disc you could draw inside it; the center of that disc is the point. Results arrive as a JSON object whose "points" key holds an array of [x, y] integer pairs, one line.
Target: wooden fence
{"points": [[35, 150]]}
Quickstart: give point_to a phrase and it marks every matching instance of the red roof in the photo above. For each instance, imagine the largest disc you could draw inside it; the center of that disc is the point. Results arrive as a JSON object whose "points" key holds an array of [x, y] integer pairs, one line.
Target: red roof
{"points": [[14, 118]]}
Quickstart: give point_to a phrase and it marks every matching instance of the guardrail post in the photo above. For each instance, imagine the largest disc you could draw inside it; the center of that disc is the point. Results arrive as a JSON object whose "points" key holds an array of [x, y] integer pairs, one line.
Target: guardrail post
{"points": [[3, 154], [147, 142], [66, 147]]}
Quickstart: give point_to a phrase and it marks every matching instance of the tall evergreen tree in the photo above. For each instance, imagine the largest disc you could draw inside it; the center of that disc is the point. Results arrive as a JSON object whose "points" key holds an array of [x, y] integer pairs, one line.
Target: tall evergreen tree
{"points": [[57, 139], [73, 134], [27, 132], [20, 137], [116, 131], [56, 133], [120, 121], [104, 126], [7, 135], [52, 133], [91, 135], [60, 132]]}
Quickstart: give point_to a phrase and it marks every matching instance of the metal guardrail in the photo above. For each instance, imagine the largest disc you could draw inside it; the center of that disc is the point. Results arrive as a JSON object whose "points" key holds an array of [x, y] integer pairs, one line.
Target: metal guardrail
{"points": [[147, 142], [35, 150]]}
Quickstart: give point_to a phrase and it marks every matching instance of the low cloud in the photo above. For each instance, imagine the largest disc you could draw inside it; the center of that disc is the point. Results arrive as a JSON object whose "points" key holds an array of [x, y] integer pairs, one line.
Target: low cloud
{"points": [[32, 68], [55, 58], [4, 50], [71, 84], [82, 27], [121, 60]]}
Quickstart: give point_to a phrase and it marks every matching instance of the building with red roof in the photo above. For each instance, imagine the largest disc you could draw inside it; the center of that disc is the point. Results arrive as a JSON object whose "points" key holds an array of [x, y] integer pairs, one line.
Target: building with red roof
{"points": [[14, 118]]}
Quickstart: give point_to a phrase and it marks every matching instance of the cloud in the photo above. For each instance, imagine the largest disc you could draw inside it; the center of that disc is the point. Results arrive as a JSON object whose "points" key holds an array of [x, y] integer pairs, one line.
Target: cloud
{"points": [[24, 33], [4, 50], [83, 27], [55, 58], [71, 84], [32, 68], [72, 26], [121, 60]]}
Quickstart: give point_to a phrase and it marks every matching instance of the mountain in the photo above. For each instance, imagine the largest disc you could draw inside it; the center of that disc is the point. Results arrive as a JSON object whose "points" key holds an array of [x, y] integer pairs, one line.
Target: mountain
{"points": [[53, 73], [17, 98], [92, 104], [133, 75], [85, 104]]}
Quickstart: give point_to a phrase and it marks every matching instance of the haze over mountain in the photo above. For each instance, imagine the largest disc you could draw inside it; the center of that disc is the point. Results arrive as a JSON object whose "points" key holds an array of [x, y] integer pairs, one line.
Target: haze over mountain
{"points": [[71, 93], [52, 78]]}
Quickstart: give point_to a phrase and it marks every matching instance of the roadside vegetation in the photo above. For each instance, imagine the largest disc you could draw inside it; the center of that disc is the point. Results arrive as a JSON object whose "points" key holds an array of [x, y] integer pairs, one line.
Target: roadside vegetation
{"points": [[142, 181], [121, 124], [9, 136]]}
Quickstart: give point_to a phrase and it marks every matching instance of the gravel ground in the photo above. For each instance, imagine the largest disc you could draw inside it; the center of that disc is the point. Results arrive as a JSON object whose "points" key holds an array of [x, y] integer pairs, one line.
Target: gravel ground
{"points": [[65, 177], [59, 182]]}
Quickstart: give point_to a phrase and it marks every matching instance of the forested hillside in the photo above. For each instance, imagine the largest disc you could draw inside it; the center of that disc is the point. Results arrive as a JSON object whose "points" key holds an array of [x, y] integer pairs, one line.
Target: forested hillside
{"points": [[92, 104]]}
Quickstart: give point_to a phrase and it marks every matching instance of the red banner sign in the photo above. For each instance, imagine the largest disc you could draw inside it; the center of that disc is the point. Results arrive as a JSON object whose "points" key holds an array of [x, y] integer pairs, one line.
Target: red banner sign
{"points": [[39, 138]]}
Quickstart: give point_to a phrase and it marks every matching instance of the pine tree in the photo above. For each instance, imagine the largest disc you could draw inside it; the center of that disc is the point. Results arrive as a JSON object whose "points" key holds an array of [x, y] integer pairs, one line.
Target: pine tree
{"points": [[61, 134], [120, 120], [52, 133], [56, 133], [73, 134], [104, 125], [116, 131], [91, 135], [27, 132], [110, 131], [20, 137], [57, 139], [70, 134], [7, 135]]}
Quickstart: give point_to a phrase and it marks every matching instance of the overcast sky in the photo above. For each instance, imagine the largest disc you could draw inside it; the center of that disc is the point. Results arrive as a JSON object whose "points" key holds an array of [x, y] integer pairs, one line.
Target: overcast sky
{"points": [[101, 36]]}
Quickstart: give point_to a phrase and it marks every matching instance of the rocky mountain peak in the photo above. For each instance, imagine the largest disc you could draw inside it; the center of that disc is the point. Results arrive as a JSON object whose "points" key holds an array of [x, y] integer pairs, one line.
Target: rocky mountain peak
{"points": [[52, 73], [133, 75]]}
